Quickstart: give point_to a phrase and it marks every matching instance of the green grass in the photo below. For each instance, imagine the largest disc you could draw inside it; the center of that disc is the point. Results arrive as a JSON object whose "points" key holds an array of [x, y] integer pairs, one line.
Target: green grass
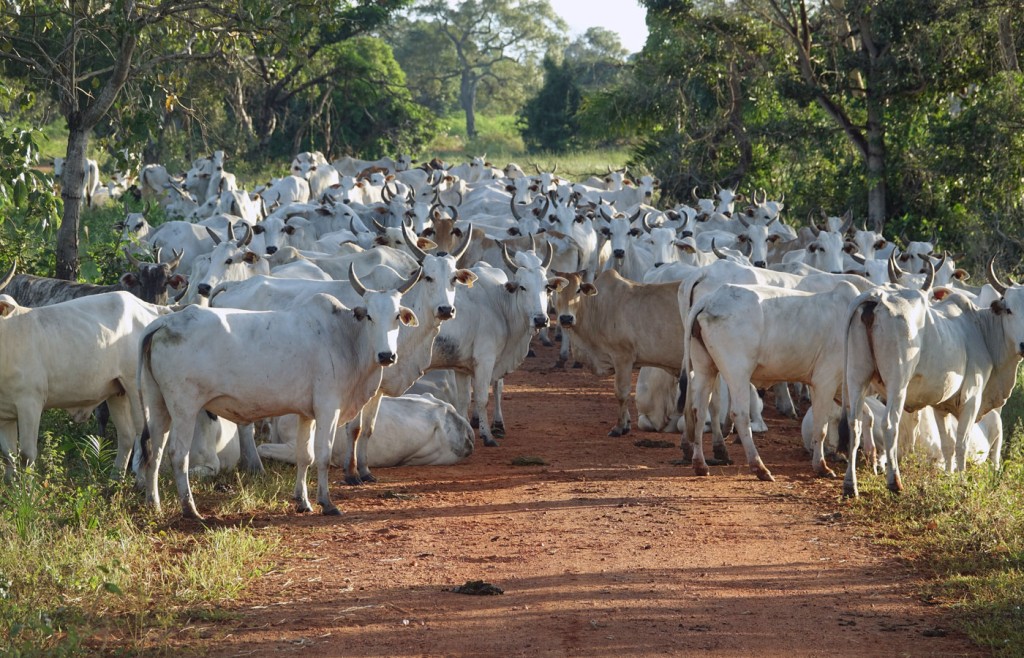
{"points": [[84, 566], [967, 529]]}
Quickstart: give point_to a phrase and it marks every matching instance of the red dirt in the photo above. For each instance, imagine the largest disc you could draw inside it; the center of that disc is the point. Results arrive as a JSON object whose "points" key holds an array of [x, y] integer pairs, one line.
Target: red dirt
{"points": [[608, 549]]}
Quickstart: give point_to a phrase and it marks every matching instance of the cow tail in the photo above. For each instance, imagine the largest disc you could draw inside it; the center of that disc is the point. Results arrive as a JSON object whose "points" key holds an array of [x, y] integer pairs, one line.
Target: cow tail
{"points": [[844, 431], [145, 349]]}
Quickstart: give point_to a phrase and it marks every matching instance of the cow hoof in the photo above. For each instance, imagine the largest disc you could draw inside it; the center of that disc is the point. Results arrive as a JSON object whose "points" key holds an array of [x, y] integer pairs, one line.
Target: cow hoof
{"points": [[303, 508], [849, 491], [368, 478], [331, 511], [352, 481], [764, 475], [722, 456], [559, 364], [682, 461], [617, 431], [577, 365], [546, 342], [191, 513], [896, 487], [531, 354], [489, 442], [825, 472], [474, 422], [498, 430], [719, 462], [701, 470]]}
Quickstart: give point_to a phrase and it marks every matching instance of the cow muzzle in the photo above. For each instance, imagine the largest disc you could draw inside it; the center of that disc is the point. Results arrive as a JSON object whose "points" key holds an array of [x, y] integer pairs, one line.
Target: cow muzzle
{"points": [[445, 312], [204, 289], [271, 250], [540, 321], [566, 320], [619, 254], [760, 263], [386, 358]]}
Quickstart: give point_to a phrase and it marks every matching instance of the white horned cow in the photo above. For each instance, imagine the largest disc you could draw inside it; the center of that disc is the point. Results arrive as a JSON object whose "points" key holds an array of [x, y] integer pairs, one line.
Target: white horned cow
{"points": [[948, 354], [491, 335], [411, 430], [330, 364], [72, 355], [762, 335]]}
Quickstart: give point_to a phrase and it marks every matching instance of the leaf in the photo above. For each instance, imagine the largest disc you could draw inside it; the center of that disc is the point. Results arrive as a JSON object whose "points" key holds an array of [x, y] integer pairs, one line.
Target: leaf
{"points": [[113, 588], [20, 193]]}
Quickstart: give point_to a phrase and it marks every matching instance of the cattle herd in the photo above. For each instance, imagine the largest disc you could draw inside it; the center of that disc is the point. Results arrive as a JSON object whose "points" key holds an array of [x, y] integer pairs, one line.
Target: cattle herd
{"points": [[360, 312]]}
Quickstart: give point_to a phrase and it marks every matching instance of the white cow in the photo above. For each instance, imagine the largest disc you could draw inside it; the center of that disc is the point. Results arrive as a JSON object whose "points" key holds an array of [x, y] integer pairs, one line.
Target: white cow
{"points": [[329, 365], [71, 355]]}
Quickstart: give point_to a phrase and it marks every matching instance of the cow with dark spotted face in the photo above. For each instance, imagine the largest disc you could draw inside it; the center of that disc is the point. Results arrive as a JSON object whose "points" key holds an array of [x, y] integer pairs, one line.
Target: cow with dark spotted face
{"points": [[147, 281]]}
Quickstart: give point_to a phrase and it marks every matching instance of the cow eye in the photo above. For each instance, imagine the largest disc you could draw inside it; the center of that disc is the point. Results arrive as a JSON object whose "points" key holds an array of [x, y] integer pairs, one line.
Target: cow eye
{"points": [[428, 279], [227, 262]]}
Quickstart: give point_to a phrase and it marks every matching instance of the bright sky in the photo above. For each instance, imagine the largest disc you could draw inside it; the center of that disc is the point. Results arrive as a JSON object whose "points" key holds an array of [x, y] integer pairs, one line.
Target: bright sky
{"points": [[623, 16]]}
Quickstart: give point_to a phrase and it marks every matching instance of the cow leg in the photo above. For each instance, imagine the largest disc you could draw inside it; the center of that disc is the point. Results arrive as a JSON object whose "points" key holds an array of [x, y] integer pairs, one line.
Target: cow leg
{"points": [[757, 424], [739, 404], [250, 459], [8, 439], [893, 411], [498, 426], [718, 398], [183, 430], [368, 418], [698, 396], [564, 351], [346, 437], [121, 413], [823, 412], [623, 387], [323, 444], [783, 400], [303, 458], [481, 387], [968, 416], [545, 337], [28, 430]]}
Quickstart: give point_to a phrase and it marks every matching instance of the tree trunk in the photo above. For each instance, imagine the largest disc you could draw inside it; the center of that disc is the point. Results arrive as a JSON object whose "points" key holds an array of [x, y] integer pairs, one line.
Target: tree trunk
{"points": [[467, 99], [876, 166], [1007, 43], [71, 192]]}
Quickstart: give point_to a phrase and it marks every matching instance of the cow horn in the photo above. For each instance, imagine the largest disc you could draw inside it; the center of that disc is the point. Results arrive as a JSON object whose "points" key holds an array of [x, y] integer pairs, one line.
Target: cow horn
{"points": [[745, 223], [894, 269], [848, 223], [246, 237], [354, 281], [455, 213], [410, 282], [554, 168], [859, 259], [693, 193], [512, 205], [647, 225], [929, 276], [716, 251], [213, 235], [10, 275], [546, 262], [132, 259], [993, 279], [410, 241], [604, 213], [537, 167], [636, 215], [385, 193], [231, 231], [462, 248], [942, 261], [173, 264], [380, 227], [810, 221], [509, 263]]}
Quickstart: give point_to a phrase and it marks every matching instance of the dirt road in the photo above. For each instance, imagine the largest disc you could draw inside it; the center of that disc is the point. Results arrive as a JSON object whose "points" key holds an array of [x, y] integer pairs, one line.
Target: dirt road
{"points": [[606, 549]]}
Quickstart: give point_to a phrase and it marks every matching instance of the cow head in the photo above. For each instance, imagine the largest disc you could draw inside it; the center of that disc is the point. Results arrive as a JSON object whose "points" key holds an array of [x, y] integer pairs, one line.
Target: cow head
{"points": [[384, 312], [530, 283], [149, 281], [436, 294], [231, 260], [566, 299]]}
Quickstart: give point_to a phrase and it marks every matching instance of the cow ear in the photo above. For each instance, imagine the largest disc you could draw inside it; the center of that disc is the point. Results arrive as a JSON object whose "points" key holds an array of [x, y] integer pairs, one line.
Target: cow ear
{"points": [[7, 305], [588, 289], [941, 292], [465, 277], [556, 284], [961, 274], [360, 313], [407, 317], [129, 279], [512, 287], [381, 240], [251, 257], [426, 244], [178, 281], [258, 228], [999, 307], [850, 248]]}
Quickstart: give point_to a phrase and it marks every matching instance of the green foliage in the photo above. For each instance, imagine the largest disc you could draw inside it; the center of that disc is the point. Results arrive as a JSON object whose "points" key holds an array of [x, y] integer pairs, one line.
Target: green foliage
{"points": [[966, 528]]}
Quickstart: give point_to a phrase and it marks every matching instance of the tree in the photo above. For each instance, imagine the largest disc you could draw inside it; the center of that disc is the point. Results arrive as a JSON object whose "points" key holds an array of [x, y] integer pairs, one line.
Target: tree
{"points": [[488, 35], [592, 62], [87, 54]]}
